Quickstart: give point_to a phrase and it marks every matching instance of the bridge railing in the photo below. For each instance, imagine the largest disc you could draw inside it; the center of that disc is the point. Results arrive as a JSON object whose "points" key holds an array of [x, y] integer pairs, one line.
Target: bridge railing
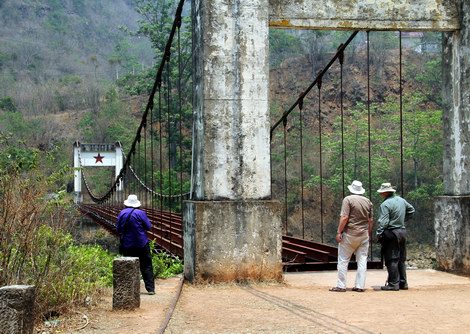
{"points": [[157, 166], [329, 137]]}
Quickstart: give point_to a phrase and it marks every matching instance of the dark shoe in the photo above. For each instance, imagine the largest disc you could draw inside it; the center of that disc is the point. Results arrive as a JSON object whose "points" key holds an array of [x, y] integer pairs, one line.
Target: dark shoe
{"points": [[151, 292], [389, 288], [336, 289], [357, 289], [404, 287]]}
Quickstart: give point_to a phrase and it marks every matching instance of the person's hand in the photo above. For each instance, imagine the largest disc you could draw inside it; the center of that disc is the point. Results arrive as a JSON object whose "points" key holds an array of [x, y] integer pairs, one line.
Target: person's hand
{"points": [[339, 237]]}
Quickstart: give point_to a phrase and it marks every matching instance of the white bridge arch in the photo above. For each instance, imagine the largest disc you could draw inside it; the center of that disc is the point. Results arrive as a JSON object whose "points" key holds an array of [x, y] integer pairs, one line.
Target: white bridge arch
{"points": [[95, 155]]}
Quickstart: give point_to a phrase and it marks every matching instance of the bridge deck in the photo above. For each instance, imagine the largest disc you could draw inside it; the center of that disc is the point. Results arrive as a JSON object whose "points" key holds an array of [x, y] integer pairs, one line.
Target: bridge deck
{"points": [[167, 232]]}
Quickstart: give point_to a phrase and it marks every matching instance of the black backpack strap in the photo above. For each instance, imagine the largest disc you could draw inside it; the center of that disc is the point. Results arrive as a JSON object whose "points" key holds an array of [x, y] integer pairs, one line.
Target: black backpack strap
{"points": [[126, 221]]}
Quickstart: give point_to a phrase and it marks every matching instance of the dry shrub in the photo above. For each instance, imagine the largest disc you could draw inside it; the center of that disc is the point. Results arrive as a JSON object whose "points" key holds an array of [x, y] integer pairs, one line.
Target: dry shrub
{"points": [[36, 248]]}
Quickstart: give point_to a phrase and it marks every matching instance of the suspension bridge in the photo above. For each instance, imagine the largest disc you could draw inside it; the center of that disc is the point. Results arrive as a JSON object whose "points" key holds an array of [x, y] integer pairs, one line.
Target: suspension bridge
{"points": [[205, 154]]}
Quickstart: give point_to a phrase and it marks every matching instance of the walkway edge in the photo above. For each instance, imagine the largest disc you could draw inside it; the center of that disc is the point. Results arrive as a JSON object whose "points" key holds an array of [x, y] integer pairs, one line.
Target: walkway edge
{"points": [[171, 309]]}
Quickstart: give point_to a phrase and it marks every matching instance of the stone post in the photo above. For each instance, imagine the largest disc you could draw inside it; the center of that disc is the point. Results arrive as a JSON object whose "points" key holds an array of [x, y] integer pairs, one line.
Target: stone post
{"points": [[451, 212], [126, 283], [232, 206], [17, 309]]}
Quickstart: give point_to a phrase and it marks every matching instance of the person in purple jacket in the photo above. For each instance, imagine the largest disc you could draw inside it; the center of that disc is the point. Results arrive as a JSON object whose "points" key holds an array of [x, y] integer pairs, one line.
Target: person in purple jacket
{"points": [[131, 226]]}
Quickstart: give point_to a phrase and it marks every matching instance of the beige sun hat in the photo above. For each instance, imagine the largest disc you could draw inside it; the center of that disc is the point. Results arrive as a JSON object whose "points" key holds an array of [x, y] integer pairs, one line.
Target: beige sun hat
{"points": [[132, 201], [386, 188], [356, 188]]}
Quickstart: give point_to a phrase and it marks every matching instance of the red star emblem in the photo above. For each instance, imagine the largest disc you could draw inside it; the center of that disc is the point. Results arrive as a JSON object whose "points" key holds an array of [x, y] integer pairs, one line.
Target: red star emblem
{"points": [[99, 158]]}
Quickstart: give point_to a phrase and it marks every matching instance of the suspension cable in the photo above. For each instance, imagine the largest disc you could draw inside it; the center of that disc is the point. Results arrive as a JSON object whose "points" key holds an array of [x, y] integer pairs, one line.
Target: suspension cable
{"points": [[401, 117], [341, 61], [369, 116], [284, 122], [160, 120], [152, 157], [145, 161], [319, 84], [180, 111], [369, 132], [302, 167], [168, 104]]}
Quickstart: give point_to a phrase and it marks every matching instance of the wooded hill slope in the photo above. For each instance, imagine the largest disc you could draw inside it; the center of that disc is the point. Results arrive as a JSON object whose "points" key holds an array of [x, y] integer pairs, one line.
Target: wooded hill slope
{"points": [[59, 61], [55, 54]]}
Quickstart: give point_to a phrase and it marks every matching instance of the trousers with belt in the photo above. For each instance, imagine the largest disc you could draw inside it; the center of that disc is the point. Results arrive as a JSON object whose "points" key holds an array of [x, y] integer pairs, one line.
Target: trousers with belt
{"points": [[394, 253], [349, 245]]}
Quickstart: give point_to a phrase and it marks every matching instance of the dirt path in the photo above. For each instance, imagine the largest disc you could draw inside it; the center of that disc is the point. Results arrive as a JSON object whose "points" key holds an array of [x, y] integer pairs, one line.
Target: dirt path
{"points": [[436, 302], [101, 319]]}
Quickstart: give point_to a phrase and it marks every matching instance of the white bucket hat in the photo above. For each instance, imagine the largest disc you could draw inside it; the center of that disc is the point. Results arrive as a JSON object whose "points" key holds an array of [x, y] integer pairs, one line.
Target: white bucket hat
{"points": [[132, 201], [386, 188], [356, 188]]}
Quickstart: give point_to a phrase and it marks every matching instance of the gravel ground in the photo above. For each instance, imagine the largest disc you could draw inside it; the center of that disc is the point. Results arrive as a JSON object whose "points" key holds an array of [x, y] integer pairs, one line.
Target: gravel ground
{"points": [[436, 302]]}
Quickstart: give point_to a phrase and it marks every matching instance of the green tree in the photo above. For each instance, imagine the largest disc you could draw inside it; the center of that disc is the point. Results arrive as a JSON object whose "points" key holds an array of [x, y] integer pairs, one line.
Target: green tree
{"points": [[16, 156], [156, 22], [123, 57], [7, 104], [381, 44], [172, 104], [283, 45], [430, 79], [113, 122]]}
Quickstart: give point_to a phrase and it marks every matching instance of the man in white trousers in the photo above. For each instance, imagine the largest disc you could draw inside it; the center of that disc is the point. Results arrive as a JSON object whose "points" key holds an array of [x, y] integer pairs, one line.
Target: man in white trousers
{"points": [[354, 231]]}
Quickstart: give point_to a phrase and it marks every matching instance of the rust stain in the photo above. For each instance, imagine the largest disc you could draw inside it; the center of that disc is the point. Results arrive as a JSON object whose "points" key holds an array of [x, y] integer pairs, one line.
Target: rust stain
{"points": [[280, 23], [241, 274]]}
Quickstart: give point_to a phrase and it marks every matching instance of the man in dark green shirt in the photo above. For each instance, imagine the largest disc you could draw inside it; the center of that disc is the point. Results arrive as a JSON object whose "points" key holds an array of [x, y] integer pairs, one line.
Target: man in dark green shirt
{"points": [[391, 232]]}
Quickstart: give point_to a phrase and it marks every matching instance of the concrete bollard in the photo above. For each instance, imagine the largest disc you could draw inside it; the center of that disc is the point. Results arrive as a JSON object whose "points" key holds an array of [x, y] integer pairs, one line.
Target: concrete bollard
{"points": [[17, 309], [126, 283]]}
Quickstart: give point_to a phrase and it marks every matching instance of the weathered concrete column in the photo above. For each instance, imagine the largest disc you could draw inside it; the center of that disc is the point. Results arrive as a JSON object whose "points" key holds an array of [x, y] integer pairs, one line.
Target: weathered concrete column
{"points": [[232, 158], [17, 309], [233, 241], [452, 222], [126, 283], [452, 217]]}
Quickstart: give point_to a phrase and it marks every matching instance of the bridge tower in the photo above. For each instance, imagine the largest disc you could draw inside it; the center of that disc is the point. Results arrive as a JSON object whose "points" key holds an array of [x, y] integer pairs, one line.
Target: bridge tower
{"points": [[95, 155], [232, 230]]}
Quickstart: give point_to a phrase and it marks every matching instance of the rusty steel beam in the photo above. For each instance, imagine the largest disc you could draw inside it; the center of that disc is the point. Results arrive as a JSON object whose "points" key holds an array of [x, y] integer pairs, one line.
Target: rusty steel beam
{"points": [[298, 254]]}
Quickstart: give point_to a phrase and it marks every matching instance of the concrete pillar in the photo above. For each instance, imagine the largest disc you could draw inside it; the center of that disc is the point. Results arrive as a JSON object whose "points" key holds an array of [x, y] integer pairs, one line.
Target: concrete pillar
{"points": [[126, 283], [232, 241], [232, 140], [17, 309], [451, 221], [231, 99]]}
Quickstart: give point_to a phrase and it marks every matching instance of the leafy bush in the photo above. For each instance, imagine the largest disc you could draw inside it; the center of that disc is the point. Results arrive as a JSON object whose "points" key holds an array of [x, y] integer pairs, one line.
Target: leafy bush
{"points": [[6, 103], [164, 265], [95, 261], [65, 274]]}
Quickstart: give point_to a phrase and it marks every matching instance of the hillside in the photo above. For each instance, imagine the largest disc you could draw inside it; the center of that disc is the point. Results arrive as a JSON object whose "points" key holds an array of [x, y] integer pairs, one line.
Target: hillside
{"points": [[55, 54], [61, 77], [421, 138]]}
